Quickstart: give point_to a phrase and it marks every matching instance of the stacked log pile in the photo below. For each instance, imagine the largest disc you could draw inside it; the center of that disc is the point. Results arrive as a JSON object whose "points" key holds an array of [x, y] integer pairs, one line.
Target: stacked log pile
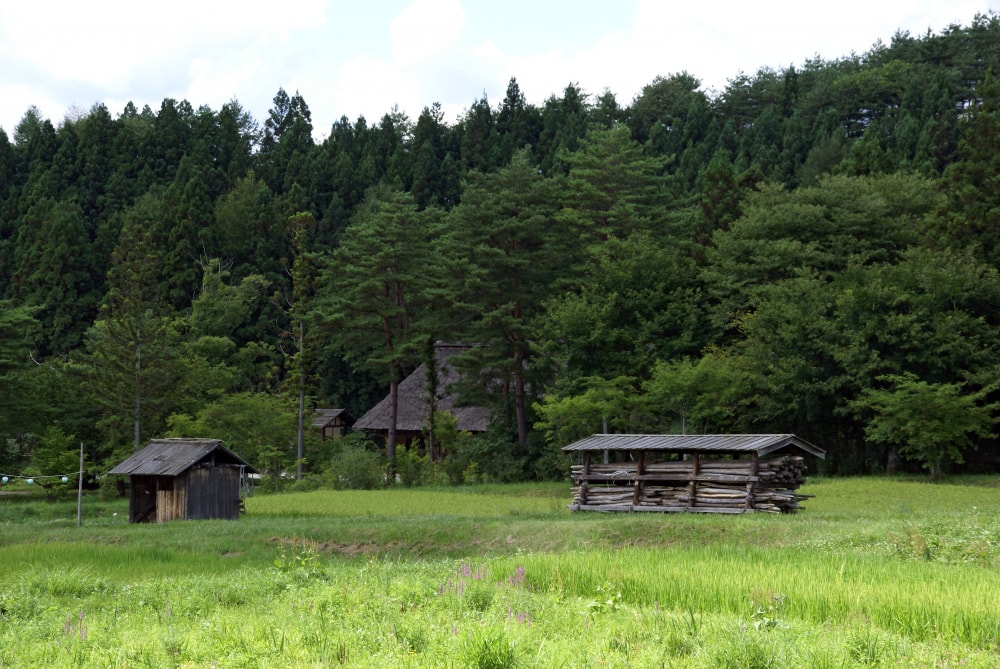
{"points": [[712, 486]]}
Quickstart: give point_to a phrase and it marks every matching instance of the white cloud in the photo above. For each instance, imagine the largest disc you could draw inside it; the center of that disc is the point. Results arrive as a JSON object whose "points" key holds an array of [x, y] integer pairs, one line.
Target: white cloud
{"points": [[349, 58], [120, 50], [430, 60], [441, 53], [426, 29], [374, 86]]}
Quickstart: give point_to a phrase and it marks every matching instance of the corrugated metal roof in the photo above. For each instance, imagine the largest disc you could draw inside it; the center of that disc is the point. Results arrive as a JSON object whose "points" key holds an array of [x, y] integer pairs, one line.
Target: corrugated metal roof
{"points": [[174, 456], [762, 444]]}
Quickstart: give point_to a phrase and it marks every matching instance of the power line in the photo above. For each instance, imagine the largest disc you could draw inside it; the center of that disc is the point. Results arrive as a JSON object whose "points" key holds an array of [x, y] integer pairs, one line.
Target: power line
{"points": [[9, 478]]}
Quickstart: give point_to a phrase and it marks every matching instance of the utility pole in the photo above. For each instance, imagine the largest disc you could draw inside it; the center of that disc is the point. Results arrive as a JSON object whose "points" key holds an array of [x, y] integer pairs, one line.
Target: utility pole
{"points": [[79, 491]]}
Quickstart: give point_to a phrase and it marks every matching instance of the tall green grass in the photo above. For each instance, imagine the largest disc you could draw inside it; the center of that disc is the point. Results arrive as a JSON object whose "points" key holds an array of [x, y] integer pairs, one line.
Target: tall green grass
{"points": [[918, 600], [635, 607], [476, 502], [873, 573]]}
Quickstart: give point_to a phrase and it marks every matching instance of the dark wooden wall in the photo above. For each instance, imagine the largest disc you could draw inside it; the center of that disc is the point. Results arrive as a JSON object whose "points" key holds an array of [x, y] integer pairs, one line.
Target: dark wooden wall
{"points": [[199, 493], [213, 492]]}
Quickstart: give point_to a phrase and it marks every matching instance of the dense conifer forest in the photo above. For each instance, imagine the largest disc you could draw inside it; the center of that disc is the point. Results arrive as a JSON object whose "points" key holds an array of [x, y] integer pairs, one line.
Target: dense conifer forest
{"points": [[811, 251]]}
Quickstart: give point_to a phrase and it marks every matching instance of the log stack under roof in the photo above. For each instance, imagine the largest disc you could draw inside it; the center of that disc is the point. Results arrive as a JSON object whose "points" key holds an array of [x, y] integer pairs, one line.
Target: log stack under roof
{"points": [[700, 474]]}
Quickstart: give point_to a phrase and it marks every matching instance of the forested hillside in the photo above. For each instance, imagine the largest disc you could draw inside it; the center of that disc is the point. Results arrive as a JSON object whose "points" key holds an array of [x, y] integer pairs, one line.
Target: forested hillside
{"points": [[811, 251]]}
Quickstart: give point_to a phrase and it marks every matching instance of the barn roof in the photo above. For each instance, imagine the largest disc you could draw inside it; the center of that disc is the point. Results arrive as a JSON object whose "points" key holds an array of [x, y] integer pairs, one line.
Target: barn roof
{"points": [[761, 444], [174, 456], [413, 409]]}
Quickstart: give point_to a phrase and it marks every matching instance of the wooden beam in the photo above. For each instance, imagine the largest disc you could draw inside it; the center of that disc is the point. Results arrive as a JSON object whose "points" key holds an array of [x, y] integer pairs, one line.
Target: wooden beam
{"points": [[692, 486], [637, 492]]}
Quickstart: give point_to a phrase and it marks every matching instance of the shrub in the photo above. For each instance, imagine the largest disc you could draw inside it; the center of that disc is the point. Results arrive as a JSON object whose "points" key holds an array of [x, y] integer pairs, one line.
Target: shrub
{"points": [[412, 468], [112, 487], [355, 465], [552, 464], [484, 458]]}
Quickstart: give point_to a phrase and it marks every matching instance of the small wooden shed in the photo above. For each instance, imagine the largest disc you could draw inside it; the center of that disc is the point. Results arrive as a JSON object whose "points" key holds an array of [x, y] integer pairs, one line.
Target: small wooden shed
{"points": [[331, 423], [727, 473], [182, 478]]}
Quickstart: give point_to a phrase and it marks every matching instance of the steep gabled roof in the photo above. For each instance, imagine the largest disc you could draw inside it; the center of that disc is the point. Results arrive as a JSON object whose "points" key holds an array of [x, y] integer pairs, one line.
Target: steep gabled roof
{"points": [[174, 456], [762, 444], [324, 417], [414, 409]]}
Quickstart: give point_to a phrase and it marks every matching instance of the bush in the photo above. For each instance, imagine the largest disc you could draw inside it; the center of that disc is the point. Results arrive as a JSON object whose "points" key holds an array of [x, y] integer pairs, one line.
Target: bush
{"points": [[484, 458], [306, 483], [412, 468], [112, 487], [552, 464], [355, 465]]}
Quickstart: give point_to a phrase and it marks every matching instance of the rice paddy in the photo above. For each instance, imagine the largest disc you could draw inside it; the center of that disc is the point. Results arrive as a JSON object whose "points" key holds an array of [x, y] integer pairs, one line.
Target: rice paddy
{"points": [[873, 573]]}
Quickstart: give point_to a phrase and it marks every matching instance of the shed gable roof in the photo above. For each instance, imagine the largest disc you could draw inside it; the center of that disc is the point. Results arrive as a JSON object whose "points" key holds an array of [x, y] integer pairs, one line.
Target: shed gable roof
{"points": [[761, 444], [174, 456], [413, 409], [324, 417]]}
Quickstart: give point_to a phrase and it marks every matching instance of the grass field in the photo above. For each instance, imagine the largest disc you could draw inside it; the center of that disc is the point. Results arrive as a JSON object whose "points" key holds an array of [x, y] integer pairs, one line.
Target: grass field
{"points": [[873, 573]]}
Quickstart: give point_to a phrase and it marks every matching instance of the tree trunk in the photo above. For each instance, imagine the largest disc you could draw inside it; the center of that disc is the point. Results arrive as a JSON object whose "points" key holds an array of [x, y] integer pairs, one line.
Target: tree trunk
{"points": [[432, 392], [892, 460], [390, 439], [136, 417], [519, 400], [300, 437], [937, 466]]}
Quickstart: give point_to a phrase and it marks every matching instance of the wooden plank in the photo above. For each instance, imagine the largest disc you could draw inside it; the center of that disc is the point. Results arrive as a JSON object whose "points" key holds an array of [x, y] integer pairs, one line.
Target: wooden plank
{"points": [[602, 507], [720, 486], [661, 509], [721, 509]]}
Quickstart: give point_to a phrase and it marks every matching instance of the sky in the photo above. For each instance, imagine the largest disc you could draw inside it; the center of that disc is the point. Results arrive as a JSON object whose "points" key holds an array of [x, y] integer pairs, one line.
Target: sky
{"points": [[364, 57]]}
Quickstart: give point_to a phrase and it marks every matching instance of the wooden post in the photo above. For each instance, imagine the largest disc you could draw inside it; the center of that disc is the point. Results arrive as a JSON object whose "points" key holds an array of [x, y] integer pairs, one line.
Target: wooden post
{"points": [[79, 491], [752, 481], [637, 492], [586, 474], [693, 484]]}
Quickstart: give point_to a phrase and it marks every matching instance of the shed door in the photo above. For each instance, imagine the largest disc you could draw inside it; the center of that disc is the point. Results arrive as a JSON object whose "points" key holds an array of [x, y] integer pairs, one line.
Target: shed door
{"points": [[169, 499], [142, 500]]}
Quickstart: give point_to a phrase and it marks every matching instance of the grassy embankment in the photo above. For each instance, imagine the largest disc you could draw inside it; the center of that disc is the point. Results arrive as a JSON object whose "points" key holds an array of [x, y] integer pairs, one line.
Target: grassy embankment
{"points": [[873, 573]]}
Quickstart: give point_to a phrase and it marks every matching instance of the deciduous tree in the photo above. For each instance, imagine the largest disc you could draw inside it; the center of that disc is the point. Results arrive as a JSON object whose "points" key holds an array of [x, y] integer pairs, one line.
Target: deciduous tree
{"points": [[933, 423]]}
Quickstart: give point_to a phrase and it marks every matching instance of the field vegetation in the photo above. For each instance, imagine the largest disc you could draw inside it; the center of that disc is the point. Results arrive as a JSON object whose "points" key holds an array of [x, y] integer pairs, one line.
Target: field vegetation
{"points": [[874, 573]]}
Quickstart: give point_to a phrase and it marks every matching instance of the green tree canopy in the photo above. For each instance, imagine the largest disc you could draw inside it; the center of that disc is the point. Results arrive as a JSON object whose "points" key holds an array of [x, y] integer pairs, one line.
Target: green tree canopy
{"points": [[931, 422], [376, 289]]}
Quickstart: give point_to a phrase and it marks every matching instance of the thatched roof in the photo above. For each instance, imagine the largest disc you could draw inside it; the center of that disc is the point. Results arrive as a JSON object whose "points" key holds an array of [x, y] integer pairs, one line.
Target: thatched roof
{"points": [[761, 444], [174, 456], [413, 409]]}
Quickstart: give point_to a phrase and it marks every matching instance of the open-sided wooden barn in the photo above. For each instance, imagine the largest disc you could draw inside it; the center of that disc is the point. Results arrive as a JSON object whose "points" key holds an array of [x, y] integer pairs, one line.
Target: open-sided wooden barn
{"points": [[414, 406], [180, 478], [728, 473]]}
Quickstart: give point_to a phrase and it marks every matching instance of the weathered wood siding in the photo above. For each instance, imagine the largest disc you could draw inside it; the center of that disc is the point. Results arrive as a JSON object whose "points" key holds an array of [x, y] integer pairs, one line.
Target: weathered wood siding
{"points": [[170, 499], [213, 492], [199, 493]]}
